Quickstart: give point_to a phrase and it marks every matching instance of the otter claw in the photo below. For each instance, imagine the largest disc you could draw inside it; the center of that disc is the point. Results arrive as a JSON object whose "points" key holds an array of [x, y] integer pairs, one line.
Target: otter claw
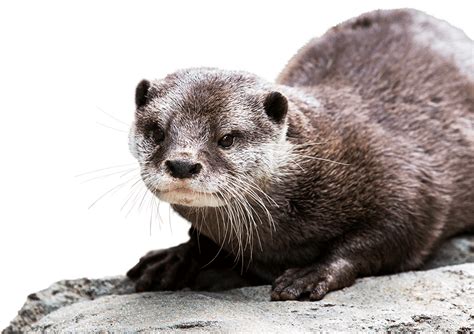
{"points": [[312, 282]]}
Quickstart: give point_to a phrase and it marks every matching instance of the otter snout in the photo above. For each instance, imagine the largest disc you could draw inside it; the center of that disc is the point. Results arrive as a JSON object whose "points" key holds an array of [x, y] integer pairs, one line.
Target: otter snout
{"points": [[182, 169]]}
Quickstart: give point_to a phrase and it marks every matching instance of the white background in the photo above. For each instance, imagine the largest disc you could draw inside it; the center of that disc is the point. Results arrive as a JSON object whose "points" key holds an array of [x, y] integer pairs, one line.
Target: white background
{"points": [[64, 66]]}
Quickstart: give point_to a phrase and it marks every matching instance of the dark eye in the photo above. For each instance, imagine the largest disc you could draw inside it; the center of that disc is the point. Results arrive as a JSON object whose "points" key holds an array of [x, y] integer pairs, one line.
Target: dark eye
{"points": [[226, 141], [155, 133]]}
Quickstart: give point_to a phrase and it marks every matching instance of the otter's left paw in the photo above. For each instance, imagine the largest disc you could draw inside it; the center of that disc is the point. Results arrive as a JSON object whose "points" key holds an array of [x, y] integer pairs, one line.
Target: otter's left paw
{"points": [[313, 282]]}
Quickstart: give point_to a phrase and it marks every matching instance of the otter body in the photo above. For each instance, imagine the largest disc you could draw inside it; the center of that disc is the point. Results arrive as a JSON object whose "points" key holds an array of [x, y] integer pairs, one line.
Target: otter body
{"points": [[358, 161]]}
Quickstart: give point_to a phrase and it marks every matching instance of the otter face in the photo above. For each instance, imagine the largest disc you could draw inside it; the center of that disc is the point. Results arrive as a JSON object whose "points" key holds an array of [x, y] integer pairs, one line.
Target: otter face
{"points": [[204, 137]]}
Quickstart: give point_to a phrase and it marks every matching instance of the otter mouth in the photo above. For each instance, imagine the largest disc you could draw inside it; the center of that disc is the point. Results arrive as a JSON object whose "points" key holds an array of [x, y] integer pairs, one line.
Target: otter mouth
{"points": [[181, 190], [184, 195]]}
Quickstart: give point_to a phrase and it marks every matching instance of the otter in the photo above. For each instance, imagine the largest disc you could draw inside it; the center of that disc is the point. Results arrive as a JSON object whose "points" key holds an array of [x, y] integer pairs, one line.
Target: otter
{"points": [[358, 161]]}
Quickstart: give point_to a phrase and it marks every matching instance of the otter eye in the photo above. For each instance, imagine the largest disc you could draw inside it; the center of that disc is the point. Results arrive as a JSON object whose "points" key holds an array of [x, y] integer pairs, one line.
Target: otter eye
{"points": [[226, 141], [155, 133]]}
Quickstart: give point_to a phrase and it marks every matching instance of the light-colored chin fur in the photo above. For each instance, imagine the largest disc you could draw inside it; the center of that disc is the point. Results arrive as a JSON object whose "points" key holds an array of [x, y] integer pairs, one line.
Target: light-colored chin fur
{"points": [[190, 199]]}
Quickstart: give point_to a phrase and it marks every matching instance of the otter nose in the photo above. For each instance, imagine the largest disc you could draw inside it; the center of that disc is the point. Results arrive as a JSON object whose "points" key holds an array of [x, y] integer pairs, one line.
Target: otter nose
{"points": [[182, 169]]}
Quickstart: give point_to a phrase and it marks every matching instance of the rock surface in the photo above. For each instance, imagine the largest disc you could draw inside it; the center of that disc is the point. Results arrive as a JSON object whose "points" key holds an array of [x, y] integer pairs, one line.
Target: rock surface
{"points": [[434, 300]]}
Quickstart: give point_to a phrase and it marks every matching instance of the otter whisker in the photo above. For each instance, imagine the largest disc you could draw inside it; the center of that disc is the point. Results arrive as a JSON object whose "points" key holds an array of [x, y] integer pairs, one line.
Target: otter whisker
{"points": [[237, 213], [247, 214], [243, 205], [132, 190], [321, 159], [114, 118], [259, 201], [223, 198], [150, 208], [103, 169], [237, 220], [121, 172], [111, 190], [252, 224], [143, 190], [139, 186], [111, 127], [156, 207], [198, 230], [294, 152], [169, 218], [143, 198], [221, 213], [251, 216], [254, 185], [305, 144]]}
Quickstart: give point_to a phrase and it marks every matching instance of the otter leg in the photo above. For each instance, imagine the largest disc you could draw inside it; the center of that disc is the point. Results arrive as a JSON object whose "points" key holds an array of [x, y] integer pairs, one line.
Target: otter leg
{"points": [[174, 268], [168, 269], [350, 257], [314, 281]]}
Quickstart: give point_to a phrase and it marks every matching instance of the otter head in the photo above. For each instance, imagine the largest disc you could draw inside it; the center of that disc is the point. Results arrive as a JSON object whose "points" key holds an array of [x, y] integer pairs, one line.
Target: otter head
{"points": [[204, 137]]}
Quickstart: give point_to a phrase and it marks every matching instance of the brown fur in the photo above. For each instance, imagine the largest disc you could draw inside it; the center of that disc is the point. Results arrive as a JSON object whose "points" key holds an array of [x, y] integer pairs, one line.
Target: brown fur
{"points": [[396, 121]]}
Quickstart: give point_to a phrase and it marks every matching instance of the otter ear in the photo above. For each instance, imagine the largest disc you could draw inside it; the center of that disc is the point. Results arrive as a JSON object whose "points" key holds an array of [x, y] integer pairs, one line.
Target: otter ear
{"points": [[141, 93], [276, 106]]}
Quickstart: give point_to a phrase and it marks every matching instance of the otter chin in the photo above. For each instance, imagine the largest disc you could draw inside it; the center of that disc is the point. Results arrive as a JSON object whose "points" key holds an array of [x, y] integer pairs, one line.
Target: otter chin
{"points": [[189, 197], [357, 161]]}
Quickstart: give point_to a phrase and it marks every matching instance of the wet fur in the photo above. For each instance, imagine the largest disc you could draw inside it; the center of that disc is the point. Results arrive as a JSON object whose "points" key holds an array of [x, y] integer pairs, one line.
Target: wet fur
{"points": [[377, 167]]}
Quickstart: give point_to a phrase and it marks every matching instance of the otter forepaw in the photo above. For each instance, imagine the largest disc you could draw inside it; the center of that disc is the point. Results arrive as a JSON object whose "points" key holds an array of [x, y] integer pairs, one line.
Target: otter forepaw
{"points": [[169, 269], [313, 282]]}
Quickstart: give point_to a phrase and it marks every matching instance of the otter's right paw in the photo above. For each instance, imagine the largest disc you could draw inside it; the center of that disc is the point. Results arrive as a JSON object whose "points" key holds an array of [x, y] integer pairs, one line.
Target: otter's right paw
{"points": [[169, 269]]}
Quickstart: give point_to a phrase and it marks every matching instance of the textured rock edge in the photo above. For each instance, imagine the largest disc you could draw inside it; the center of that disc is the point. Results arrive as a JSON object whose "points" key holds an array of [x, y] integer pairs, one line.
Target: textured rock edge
{"points": [[63, 293], [436, 300]]}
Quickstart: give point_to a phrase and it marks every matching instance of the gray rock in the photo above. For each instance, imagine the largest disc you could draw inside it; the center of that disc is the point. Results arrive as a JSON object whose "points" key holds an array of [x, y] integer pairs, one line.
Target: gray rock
{"points": [[64, 293], [454, 251], [436, 299]]}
